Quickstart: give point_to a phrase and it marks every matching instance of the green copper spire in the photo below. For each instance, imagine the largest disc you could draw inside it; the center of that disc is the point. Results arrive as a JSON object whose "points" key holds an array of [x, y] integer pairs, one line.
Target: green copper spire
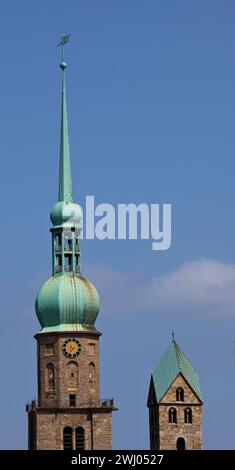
{"points": [[65, 177], [67, 301]]}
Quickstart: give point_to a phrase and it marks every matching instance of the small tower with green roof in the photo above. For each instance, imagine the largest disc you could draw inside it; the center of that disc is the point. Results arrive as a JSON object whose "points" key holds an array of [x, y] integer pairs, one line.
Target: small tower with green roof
{"points": [[69, 413], [175, 403]]}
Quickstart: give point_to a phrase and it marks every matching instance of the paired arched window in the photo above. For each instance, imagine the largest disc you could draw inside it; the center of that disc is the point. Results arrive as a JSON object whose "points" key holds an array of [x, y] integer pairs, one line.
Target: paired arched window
{"points": [[68, 438], [180, 444], [80, 438], [72, 370], [180, 394], [50, 376], [172, 415], [91, 373], [188, 416]]}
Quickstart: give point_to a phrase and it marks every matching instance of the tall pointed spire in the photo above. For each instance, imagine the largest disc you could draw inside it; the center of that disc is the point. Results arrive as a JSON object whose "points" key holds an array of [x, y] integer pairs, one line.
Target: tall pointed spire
{"points": [[65, 177], [67, 302]]}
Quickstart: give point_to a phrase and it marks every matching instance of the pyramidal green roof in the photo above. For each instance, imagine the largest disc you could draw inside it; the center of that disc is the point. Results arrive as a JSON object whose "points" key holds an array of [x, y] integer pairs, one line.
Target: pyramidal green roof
{"points": [[171, 364]]}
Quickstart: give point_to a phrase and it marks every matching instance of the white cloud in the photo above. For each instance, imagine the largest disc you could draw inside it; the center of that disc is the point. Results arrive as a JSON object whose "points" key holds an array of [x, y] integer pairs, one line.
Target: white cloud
{"points": [[204, 285]]}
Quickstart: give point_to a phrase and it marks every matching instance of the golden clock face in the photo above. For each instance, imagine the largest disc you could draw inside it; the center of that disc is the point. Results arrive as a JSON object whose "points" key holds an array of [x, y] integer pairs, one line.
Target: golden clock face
{"points": [[71, 348]]}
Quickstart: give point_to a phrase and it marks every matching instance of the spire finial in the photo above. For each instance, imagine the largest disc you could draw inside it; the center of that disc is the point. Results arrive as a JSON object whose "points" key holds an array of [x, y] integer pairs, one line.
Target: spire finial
{"points": [[173, 335], [63, 41], [65, 177]]}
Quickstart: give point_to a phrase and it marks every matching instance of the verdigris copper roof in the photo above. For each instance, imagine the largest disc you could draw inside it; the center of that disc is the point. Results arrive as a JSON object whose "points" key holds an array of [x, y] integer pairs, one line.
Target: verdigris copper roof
{"points": [[66, 299], [170, 366]]}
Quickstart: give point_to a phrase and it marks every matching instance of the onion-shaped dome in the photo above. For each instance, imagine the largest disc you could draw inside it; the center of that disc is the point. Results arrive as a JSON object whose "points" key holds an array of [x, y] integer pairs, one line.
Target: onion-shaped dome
{"points": [[69, 300], [66, 212]]}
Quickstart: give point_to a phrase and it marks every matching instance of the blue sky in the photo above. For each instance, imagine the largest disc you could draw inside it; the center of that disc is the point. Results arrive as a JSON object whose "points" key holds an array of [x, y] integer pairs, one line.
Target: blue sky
{"points": [[150, 88]]}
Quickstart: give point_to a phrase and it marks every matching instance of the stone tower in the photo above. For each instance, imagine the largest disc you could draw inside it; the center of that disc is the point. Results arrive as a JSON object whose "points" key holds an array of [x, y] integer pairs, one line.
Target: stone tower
{"points": [[175, 403], [69, 413]]}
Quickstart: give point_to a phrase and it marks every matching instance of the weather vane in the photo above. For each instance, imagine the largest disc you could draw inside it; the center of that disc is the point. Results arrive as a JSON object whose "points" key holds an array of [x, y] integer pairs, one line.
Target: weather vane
{"points": [[63, 41]]}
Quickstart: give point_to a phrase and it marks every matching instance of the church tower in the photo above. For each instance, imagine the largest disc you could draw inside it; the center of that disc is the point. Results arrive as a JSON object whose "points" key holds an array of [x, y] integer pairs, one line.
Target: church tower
{"points": [[69, 413], [175, 403]]}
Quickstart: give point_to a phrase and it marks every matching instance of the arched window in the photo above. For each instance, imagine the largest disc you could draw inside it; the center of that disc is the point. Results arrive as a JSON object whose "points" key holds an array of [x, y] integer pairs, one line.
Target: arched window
{"points": [[50, 377], [188, 417], [80, 438], [67, 438], [172, 415], [72, 371], [180, 394], [91, 373], [180, 444]]}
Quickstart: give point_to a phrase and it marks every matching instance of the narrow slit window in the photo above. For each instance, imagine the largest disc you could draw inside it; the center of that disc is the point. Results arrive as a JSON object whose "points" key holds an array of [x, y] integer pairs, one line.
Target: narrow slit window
{"points": [[91, 373], [188, 416], [50, 377], [72, 400], [72, 371]]}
